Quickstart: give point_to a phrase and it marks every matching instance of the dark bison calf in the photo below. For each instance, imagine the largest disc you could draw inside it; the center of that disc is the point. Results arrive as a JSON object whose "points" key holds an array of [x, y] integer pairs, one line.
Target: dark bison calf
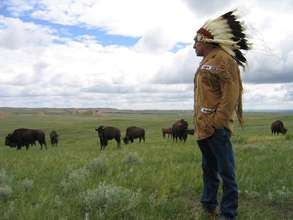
{"points": [[108, 133], [134, 133], [278, 127], [54, 138], [25, 137]]}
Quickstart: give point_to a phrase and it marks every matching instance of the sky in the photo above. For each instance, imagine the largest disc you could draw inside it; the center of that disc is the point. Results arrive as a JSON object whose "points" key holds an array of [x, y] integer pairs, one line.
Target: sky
{"points": [[134, 54]]}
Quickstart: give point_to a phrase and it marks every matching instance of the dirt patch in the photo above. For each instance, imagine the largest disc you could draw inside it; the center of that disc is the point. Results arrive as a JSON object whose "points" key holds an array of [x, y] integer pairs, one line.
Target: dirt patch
{"points": [[3, 115]]}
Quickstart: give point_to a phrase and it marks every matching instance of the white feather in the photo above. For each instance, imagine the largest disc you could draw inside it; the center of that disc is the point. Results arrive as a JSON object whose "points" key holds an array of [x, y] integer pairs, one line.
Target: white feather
{"points": [[223, 34], [228, 43]]}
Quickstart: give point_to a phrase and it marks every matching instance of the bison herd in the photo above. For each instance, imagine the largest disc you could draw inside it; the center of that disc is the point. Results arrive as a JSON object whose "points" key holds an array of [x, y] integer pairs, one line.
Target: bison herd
{"points": [[109, 133], [178, 131], [25, 137]]}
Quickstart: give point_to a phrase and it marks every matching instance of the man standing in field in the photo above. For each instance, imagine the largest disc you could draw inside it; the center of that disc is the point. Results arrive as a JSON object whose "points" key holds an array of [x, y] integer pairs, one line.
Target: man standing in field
{"points": [[217, 97]]}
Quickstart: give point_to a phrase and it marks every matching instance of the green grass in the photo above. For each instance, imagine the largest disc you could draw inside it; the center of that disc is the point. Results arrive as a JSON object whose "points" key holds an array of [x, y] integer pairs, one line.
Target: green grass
{"points": [[157, 179]]}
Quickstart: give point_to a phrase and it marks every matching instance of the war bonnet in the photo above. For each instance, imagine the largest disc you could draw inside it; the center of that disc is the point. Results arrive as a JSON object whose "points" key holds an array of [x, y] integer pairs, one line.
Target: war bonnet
{"points": [[227, 32]]}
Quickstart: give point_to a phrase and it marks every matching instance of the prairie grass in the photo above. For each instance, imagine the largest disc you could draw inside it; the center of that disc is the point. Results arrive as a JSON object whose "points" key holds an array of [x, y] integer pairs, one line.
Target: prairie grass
{"points": [[155, 180]]}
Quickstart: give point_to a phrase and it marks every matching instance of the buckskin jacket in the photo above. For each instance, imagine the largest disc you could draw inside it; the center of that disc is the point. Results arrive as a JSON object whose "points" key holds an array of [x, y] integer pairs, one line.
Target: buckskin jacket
{"points": [[217, 94]]}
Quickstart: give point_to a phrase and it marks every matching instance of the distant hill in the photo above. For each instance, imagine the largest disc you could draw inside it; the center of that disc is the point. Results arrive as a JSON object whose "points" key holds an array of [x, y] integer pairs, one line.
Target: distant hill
{"points": [[87, 111], [111, 110]]}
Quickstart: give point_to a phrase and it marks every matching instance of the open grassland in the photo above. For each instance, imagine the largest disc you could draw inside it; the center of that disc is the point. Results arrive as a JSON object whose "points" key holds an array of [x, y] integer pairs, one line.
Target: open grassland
{"points": [[155, 180]]}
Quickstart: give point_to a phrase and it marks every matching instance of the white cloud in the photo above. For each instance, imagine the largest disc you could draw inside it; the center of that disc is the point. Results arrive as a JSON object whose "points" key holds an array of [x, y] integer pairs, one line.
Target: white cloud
{"points": [[267, 96], [16, 34], [208, 7], [128, 17], [38, 71], [156, 41], [180, 68]]}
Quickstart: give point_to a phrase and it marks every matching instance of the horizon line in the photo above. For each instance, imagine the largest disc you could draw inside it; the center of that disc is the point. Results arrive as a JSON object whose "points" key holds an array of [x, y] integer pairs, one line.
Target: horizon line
{"points": [[122, 109]]}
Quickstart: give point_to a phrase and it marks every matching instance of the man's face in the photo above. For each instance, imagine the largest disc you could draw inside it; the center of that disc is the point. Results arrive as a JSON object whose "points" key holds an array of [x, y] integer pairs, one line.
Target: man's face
{"points": [[198, 46]]}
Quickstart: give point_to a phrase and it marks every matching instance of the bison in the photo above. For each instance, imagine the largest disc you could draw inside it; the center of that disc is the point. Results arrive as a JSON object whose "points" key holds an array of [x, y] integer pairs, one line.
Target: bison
{"points": [[25, 137], [108, 133], [190, 131], [179, 129], [278, 127], [54, 138], [167, 131], [134, 133]]}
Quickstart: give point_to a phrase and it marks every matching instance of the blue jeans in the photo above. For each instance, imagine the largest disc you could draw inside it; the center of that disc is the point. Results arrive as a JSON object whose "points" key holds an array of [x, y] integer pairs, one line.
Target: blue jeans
{"points": [[218, 160]]}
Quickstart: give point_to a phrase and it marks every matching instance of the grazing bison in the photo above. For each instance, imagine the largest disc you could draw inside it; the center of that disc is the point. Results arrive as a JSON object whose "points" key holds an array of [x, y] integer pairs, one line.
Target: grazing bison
{"points": [[278, 127], [54, 138], [25, 137], [167, 131], [190, 131], [108, 133], [133, 133], [179, 129]]}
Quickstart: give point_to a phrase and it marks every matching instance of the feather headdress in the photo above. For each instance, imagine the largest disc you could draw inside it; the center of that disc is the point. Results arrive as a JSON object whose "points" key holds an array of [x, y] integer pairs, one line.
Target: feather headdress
{"points": [[229, 33]]}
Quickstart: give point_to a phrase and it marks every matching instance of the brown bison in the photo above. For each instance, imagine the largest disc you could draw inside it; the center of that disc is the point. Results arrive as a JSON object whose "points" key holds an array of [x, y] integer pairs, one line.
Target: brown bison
{"points": [[108, 133], [278, 127], [167, 131], [134, 133], [25, 137], [54, 138], [179, 129]]}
